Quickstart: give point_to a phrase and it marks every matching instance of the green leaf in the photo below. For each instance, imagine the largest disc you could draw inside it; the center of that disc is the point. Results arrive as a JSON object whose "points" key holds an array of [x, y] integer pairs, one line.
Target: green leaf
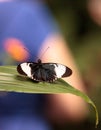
{"points": [[10, 81]]}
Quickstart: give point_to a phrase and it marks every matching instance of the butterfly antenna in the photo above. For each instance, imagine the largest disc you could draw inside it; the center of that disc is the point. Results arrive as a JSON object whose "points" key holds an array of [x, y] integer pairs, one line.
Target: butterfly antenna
{"points": [[26, 50], [44, 52]]}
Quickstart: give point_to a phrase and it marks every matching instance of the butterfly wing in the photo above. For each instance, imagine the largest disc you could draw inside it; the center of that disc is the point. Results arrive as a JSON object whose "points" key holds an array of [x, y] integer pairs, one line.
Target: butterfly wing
{"points": [[26, 68], [59, 69], [48, 72]]}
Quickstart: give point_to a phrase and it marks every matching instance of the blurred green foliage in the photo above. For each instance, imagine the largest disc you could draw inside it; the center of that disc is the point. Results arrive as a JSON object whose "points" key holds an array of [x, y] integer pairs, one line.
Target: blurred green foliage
{"points": [[84, 38]]}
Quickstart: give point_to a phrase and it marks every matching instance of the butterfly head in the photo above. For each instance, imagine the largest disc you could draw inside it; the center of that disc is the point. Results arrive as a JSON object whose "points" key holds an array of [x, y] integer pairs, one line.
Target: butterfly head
{"points": [[39, 61]]}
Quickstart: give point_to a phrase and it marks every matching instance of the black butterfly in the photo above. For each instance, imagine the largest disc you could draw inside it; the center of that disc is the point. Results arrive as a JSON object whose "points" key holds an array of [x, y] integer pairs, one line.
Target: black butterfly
{"points": [[43, 72]]}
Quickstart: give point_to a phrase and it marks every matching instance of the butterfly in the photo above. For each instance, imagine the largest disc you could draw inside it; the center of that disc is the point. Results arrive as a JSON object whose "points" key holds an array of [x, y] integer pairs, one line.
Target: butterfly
{"points": [[43, 72]]}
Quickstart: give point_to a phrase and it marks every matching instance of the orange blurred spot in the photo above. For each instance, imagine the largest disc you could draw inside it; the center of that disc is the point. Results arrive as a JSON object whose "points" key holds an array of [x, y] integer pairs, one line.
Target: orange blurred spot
{"points": [[16, 49]]}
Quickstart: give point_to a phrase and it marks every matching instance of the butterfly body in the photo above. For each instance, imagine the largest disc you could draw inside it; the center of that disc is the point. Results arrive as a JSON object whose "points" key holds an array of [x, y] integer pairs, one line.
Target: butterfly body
{"points": [[43, 72]]}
